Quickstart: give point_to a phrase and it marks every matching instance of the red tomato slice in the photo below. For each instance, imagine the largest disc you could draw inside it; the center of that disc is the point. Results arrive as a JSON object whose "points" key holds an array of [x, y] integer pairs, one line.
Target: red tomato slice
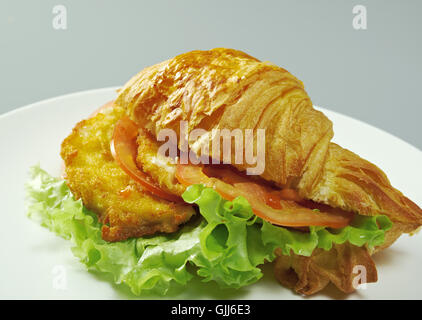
{"points": [[124, 149], [275, 198], [259, 192], [290, 214]]}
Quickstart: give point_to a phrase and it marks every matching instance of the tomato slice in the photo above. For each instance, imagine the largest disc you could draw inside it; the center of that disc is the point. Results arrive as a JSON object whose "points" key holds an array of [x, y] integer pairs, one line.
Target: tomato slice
{"points": [[288, 213], [124, 149], [259, 192]]}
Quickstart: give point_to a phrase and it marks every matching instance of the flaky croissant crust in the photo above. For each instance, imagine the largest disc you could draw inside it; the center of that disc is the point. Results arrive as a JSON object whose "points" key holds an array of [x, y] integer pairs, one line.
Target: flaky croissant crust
{"points": [[225, 88]]}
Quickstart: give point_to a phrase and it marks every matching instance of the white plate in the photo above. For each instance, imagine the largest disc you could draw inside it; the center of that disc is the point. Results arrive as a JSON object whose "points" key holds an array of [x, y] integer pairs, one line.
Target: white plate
{"points": [[31, 256]]}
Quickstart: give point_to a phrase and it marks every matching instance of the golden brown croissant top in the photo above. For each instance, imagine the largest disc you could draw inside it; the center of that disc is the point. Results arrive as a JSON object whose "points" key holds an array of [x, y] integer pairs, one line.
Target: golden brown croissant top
{"points": [[225, 88]]}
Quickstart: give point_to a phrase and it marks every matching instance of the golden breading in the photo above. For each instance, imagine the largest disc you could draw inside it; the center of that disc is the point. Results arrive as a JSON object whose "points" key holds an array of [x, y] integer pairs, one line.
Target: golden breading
{"points": [[93, 175], [157, 166]]}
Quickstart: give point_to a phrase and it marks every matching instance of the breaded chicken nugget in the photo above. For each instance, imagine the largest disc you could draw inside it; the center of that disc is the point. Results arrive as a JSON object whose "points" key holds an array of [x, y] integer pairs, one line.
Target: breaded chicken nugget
{"points": [[120, 203]]}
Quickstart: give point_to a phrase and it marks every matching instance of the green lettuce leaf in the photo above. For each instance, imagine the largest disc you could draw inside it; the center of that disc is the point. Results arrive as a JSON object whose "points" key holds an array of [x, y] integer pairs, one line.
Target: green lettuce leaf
{"points": [[225, 244]]}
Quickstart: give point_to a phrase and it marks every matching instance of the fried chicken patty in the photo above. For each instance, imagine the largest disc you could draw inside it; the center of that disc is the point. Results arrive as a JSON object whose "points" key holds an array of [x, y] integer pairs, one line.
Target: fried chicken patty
{"points": [[159, 167], [120, 203]]}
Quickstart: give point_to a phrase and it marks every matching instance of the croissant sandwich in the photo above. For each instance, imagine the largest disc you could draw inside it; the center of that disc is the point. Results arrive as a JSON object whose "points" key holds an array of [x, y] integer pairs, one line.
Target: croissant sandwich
{"points": [[214, 163]]}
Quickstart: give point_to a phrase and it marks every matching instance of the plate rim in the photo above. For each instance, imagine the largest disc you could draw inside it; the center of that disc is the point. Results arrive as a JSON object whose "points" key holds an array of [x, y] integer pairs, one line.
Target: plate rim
{"points": [[55, 98]]}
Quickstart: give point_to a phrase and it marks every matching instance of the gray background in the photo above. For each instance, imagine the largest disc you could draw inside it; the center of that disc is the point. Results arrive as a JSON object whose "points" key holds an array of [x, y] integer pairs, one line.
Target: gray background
{"points": [[373, 75]]}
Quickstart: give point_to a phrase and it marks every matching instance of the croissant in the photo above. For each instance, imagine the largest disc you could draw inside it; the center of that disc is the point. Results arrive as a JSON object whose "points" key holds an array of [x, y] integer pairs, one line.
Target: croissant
{"points": [[228, 89]]}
